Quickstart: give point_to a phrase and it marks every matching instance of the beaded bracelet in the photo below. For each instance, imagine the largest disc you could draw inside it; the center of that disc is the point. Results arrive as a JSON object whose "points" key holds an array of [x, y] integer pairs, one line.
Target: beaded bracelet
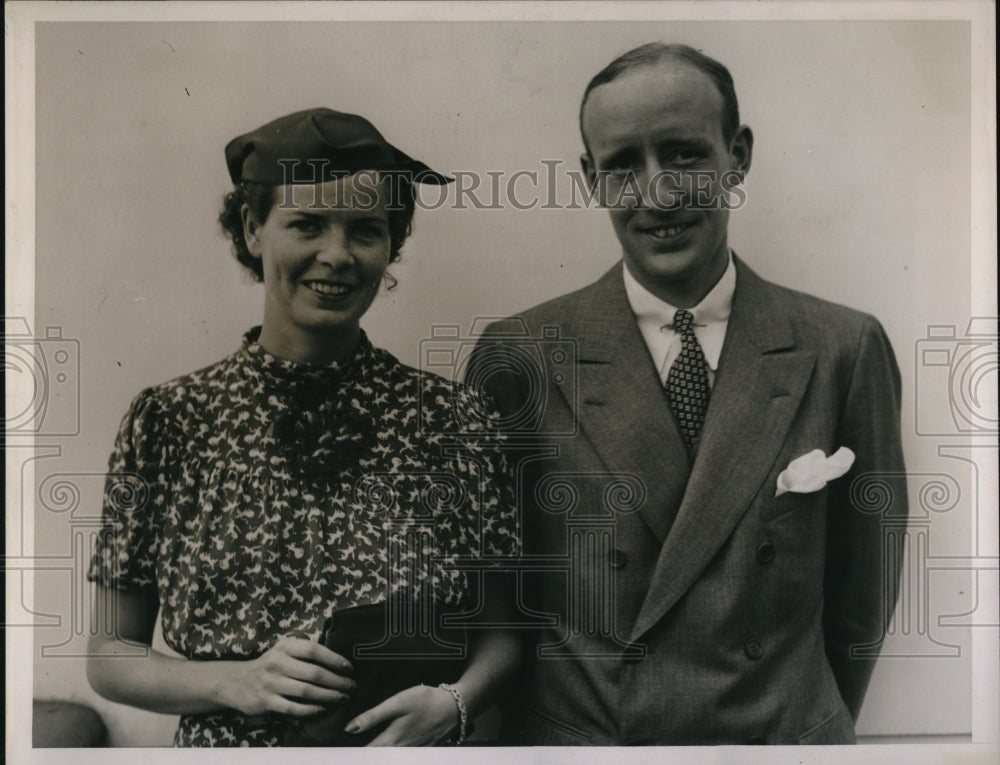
{"points": [[463, 713]]}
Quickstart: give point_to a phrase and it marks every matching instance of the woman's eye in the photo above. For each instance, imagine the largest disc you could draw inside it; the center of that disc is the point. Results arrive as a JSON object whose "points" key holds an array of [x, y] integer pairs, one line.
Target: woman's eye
{"points": [[369, 233], [306, 226]]}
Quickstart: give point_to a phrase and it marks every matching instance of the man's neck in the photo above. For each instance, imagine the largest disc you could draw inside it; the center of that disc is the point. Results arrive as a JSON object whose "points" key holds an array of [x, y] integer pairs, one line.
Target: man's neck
{"points": [[685, 293]]}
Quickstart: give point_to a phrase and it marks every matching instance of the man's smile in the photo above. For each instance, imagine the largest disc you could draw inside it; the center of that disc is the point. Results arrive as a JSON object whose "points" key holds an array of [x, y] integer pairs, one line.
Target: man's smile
{"points": [[666, 232]]}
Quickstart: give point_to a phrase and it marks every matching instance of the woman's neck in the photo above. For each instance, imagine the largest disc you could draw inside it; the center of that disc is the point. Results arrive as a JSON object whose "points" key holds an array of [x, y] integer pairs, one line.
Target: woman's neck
{"points": [[310, 347]]}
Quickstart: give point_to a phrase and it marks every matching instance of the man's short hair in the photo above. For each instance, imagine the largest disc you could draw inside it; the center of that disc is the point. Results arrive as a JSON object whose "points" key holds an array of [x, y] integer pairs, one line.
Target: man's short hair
{"points": [[656, 53]]}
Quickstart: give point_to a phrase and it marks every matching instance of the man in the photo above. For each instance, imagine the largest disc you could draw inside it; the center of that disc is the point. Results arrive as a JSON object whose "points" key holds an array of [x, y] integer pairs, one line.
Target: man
{"points": [[678, 595]]}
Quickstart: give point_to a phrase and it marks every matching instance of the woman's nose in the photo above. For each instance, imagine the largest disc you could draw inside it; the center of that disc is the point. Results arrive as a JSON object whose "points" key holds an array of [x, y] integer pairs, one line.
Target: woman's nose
{"points": [[333, 248]]}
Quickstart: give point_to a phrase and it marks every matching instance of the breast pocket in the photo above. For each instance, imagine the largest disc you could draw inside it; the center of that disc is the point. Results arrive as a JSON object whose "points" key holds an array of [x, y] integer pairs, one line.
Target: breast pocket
{"points": [[788, 503], [791, 552]]}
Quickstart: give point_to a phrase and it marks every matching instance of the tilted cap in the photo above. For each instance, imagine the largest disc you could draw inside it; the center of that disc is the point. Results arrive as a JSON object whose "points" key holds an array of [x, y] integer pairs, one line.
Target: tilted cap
{"points": [[317, 145]]}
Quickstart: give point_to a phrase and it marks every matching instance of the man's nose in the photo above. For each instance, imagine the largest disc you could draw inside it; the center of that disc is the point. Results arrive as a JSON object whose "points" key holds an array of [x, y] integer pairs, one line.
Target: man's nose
{"points": [[661, 187]]}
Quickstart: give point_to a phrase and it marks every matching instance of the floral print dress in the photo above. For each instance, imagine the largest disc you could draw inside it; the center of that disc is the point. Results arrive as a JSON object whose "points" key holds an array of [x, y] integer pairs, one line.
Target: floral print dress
{"points": [[258, 495]]}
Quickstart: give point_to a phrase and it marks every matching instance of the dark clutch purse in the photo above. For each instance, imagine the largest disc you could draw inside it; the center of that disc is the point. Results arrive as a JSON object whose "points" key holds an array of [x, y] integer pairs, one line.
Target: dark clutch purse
{"points": [[390, 652]]}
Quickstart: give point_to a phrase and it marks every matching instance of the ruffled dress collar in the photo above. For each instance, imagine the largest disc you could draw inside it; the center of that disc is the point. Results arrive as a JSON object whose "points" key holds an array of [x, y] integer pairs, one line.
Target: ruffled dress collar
{"points": [[317, 413], [278, 373]]}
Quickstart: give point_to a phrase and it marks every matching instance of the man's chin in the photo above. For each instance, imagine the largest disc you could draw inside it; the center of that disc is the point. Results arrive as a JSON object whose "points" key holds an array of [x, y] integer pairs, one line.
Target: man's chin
{"points": [[670, 266]]}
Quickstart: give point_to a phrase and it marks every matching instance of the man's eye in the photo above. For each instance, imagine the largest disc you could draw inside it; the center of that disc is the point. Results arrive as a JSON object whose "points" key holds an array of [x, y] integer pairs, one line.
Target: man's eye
{"points": [[620, 170], [684, 157]]}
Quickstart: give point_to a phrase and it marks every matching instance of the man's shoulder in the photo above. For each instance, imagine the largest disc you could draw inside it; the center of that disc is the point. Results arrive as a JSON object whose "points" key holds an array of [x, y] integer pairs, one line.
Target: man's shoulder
{"points": [[560, 311], [809, 314], [811, 308]]}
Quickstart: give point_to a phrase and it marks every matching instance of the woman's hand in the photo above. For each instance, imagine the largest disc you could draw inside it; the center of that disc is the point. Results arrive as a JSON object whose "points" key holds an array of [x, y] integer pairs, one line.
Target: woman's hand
{"points": [[294, 677], [418, 716]]}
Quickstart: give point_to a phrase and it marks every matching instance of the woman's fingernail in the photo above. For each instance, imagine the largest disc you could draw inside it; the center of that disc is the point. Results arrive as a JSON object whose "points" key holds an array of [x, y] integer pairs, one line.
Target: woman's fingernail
{"points": [[352, 727]]}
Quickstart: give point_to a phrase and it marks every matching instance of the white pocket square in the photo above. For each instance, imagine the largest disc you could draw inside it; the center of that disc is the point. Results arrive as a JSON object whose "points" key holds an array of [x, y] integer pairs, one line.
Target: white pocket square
{"points": [[812, 471]]}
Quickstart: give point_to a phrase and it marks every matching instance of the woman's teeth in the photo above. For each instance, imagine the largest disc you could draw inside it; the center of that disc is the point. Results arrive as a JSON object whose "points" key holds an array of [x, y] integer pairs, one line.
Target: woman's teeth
{"points": [[323, 288]]}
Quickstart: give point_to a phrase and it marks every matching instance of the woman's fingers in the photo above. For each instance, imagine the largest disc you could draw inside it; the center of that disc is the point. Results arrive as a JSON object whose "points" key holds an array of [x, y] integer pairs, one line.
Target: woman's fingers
{"points": [[282, 706], [307, 650], [291, 688], [418, 716], [377, 715], [292, 678], [300, 659], [318, 676]]}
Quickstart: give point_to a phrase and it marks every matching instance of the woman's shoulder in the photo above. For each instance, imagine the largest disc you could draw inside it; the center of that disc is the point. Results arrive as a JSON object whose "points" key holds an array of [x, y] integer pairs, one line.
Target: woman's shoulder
{"points": [[449, 405], [187, 392]]}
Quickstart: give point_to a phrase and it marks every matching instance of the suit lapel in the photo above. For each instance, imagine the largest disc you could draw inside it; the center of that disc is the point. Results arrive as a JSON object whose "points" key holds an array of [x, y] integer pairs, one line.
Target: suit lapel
{"points": [[757, 391], [619, 387]]}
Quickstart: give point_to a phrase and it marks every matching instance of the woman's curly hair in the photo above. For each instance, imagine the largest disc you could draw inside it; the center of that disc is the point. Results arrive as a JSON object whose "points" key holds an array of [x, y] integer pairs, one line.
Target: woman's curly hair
{"points": [[260, 198]]}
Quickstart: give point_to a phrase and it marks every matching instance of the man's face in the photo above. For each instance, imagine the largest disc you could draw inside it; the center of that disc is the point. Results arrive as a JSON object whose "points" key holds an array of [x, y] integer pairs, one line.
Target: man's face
{"points": [[663, 167]]}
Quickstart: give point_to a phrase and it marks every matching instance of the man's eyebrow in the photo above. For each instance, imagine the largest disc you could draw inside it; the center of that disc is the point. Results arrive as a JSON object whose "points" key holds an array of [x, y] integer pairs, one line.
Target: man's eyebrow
{"points": [[698, 144], [625, 154], [621, 155]]}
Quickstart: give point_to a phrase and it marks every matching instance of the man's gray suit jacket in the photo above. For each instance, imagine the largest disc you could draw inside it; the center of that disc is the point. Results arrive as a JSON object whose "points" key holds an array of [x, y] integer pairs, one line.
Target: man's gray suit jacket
{"points": [[697, 607]]}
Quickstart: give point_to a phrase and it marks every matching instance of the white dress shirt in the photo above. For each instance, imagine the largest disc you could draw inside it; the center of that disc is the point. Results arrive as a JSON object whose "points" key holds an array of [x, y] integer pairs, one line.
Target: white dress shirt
{"points": [[655, 318]]}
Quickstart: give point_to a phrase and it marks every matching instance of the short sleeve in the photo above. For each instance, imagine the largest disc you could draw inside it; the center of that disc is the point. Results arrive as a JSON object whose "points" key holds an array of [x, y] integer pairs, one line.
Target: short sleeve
{"points": [[492, 473], [129, 536]]}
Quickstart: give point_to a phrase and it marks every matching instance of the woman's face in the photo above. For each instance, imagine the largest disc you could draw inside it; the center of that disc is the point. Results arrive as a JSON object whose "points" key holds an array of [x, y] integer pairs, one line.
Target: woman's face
{"points": [[324, 249]]}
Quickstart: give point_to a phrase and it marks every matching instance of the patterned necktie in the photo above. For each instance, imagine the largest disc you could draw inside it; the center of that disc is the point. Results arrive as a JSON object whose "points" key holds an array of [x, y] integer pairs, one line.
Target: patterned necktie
{"points": [[687, 381]]}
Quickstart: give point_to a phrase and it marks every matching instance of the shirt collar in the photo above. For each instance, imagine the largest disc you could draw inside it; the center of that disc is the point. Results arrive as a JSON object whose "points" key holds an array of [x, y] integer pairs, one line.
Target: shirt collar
{"points": [[711, 315]]}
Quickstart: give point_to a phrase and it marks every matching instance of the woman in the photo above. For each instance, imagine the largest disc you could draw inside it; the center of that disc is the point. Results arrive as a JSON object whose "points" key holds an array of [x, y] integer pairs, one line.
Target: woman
{"points": [[283, 484]]}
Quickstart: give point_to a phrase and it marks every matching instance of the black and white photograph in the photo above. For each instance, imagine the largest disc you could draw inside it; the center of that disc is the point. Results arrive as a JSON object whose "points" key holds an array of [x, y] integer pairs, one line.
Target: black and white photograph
{"points": [[518, 376]]}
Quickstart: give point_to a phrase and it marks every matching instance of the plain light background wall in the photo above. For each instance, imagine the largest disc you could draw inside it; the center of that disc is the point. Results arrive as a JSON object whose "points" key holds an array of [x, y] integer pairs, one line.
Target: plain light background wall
{"points": [[859, 193]]}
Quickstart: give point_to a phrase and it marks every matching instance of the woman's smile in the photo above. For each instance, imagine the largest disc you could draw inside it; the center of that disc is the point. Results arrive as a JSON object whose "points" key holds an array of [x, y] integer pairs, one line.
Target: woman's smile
{"points": [[322, 264], [328, 289]]}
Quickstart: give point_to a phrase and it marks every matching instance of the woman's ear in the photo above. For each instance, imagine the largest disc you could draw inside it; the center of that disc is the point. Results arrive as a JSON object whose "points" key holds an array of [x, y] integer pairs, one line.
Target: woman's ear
{"points": [[250, 227]]}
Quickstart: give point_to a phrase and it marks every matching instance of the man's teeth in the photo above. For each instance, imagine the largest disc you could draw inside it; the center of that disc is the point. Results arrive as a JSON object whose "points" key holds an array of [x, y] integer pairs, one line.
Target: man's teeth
{"points": [[664, 231], [329, 289]]}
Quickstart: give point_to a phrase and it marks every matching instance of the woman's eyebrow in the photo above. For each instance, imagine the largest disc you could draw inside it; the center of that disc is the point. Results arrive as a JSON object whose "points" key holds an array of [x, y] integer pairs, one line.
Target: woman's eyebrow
{"points": [[323, 215], [369, 217]]}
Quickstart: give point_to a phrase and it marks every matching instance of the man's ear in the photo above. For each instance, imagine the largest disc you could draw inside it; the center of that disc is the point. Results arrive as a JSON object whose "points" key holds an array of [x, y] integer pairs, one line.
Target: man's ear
{"points": [[588, 170], [741, 150], [250, 227]]}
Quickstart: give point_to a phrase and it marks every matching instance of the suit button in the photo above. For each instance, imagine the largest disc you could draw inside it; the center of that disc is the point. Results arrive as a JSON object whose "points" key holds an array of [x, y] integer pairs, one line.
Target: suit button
{"points": [[765, 553], [617, 558], [755, 740], [753, 649]]}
